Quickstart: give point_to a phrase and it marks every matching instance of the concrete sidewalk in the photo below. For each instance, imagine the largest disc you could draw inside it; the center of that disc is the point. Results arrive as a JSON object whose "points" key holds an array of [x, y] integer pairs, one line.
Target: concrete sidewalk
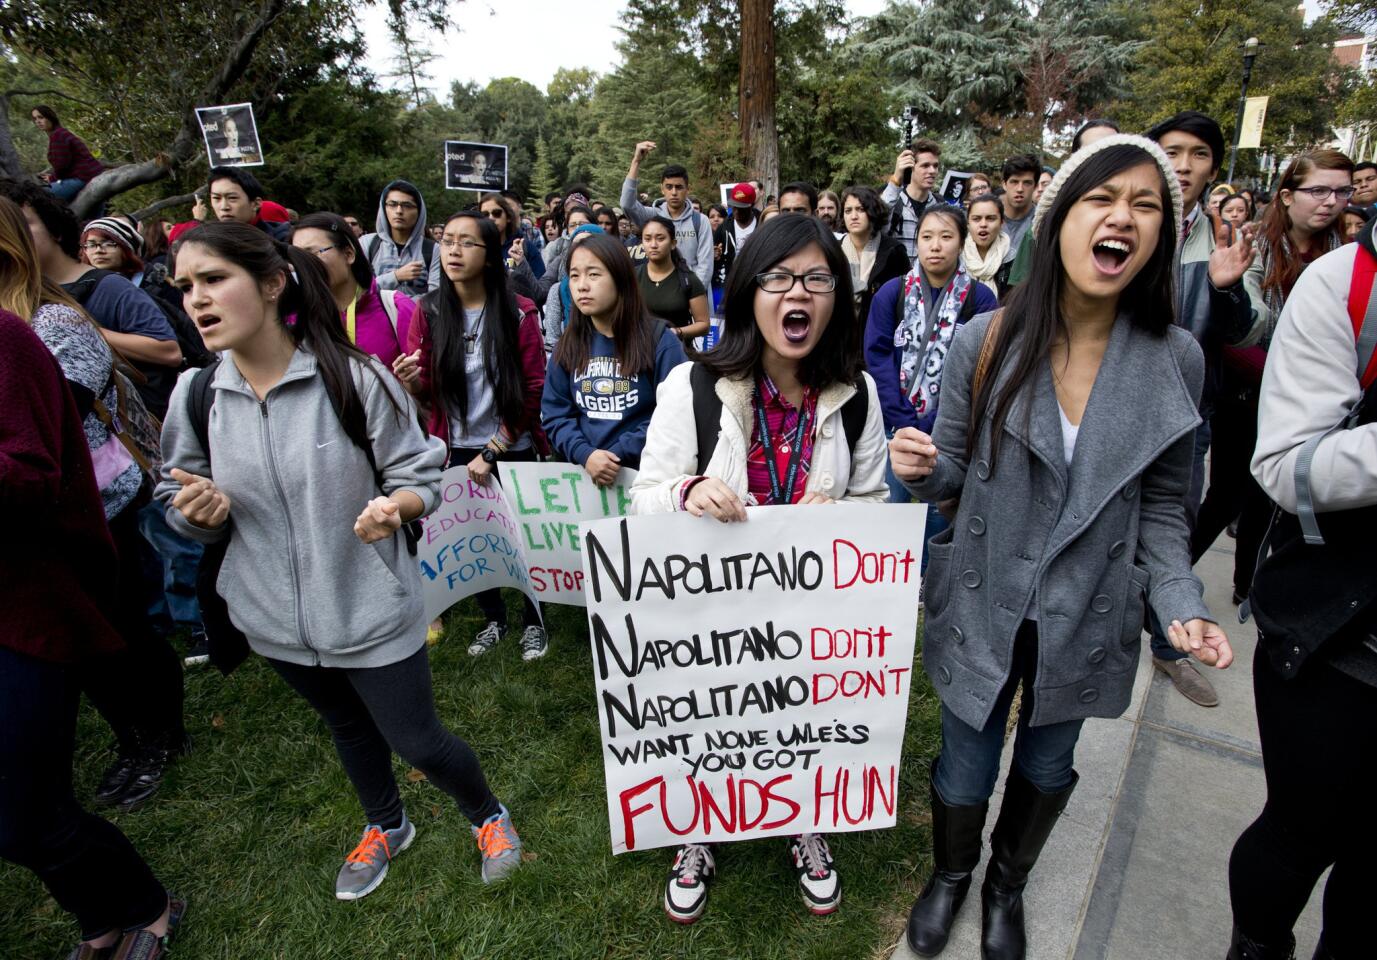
{"points": [[1138, 867]]}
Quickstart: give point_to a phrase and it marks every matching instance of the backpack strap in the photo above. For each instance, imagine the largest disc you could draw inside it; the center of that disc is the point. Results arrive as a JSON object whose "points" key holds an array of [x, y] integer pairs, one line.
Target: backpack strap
{"points": [[1362, 310], [199, 400], [373, 246], [854, 413], [707, 413], [427, 252], [389, 305], [85, 285]]}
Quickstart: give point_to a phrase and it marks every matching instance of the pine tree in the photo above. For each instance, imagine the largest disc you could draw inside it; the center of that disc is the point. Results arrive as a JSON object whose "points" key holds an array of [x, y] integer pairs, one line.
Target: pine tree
{"points": [[542, 174]]}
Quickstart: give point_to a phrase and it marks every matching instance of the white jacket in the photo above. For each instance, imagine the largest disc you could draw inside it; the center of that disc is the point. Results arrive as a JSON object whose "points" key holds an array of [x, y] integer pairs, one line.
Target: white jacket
{"points": [[1309, 384], [670, 457]]}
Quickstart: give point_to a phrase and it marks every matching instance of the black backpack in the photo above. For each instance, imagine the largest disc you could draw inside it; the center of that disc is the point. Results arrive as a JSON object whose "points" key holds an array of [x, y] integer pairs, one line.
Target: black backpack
{"points": [[227, 643], [707, 413]]}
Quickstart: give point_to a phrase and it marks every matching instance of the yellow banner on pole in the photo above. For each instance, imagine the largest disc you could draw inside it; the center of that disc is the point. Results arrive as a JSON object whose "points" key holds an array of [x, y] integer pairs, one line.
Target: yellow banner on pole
{"points": [[1254, 113]]}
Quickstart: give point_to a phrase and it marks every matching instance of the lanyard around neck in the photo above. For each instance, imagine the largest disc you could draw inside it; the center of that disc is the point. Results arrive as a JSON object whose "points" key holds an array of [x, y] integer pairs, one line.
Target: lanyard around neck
{"points": [[349, 317], [781, 493]]}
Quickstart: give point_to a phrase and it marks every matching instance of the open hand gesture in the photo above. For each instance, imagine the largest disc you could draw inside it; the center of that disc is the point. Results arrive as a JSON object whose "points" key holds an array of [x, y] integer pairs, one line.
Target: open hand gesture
{"points": [[1228, 263]]}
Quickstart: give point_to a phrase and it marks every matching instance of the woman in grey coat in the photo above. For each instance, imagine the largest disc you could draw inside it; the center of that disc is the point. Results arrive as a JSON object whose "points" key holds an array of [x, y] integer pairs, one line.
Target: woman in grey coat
{"points": [[1066, 430]]}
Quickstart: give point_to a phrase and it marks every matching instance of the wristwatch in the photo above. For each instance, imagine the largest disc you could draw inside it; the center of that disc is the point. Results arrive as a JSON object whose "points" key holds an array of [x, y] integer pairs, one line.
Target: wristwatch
{"points": [[489, 455]]}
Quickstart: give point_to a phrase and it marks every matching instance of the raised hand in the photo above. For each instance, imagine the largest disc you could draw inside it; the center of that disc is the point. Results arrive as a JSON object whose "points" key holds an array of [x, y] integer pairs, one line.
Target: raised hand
{"points": [[1229, 263]]}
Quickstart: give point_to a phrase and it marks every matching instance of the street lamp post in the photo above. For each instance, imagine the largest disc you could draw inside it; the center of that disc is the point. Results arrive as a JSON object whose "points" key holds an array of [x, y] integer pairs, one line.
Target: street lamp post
{"points": [[1249, 55]]}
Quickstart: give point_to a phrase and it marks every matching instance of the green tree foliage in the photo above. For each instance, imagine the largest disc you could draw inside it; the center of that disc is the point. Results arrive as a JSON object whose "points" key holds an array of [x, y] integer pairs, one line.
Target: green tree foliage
{"points": [[1192, 59]]}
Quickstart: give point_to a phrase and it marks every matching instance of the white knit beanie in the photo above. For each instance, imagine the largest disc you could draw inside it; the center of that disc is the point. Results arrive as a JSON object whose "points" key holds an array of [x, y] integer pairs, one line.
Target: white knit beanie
{"points": [[1073, 163]]}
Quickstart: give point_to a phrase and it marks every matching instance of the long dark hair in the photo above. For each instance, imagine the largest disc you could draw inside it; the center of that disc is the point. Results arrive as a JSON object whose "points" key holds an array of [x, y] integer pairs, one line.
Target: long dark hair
{"points": [[837, 356], [630, 323], [500, 339], [1032, 319], [306, 309], [342, 238]]}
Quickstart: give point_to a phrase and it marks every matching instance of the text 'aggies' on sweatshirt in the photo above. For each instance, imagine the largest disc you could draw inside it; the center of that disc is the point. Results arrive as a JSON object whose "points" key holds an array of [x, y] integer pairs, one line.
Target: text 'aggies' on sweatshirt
{"points": [[601, 407]]}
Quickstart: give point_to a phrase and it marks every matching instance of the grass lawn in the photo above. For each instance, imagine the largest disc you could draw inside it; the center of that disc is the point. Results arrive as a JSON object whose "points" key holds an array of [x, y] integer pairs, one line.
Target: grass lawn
{"points": [[253, 825]]}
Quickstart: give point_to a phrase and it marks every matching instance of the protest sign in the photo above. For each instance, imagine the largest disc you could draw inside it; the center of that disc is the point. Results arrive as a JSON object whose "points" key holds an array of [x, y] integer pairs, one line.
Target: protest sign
{"points": [[470, 543], [230, 135], [954, 186], [752, 678], [549, 501], [475, 166]]}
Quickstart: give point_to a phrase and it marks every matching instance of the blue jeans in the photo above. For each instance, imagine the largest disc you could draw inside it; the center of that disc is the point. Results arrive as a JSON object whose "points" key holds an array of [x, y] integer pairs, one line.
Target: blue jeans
{"points": [[1161, 646], [180, 559], [968, 765], [66, 189]]}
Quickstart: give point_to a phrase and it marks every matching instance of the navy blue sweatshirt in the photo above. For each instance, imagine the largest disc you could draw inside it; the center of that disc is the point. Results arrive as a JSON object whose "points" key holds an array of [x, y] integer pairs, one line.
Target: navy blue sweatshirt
{"points": [[600, 407]]}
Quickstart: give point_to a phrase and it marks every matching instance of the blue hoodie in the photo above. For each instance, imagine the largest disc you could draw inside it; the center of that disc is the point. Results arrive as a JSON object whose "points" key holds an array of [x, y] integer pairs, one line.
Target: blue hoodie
{"points": [[600, 407]]}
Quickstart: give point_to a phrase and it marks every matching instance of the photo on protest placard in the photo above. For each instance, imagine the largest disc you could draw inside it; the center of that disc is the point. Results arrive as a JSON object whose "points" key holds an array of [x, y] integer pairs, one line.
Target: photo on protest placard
{"points": [[519, 530], [549, 501], [954, 186], [231, 135], [475, 166], [752, 678], [470, 543]]}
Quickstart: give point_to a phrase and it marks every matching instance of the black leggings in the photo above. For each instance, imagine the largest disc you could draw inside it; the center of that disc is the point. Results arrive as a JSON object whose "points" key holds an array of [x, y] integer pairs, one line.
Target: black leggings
{"points": [[1233, 493], [490, 602], [1319, 749], [87, 864], [138, 690], [374, 711]]}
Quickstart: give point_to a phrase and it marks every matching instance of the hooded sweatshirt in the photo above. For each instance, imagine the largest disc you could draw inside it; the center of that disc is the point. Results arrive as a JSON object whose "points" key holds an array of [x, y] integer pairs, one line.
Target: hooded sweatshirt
{"points": [[299, 583], [388, 256], [692, 230]]}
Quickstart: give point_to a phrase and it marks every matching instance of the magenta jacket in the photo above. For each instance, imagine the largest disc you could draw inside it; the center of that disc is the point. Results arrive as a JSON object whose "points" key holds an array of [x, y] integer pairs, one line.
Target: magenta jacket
{"points": [[373, 329]]}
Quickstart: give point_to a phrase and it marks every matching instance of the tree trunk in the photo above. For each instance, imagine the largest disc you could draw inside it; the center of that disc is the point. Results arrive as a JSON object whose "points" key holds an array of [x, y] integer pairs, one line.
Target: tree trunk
{"points": [[9, 157], [759, 136]]}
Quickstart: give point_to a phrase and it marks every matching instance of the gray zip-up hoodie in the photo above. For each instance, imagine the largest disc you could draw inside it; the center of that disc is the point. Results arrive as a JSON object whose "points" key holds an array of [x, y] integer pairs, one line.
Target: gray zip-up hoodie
{"points": [[298, 582], [692, 230], [388, 256]]}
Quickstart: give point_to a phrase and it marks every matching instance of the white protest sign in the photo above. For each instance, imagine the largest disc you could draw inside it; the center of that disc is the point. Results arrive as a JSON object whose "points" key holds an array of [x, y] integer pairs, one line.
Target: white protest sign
{"points": [[549, 501], [752, 678], [469, 544]]}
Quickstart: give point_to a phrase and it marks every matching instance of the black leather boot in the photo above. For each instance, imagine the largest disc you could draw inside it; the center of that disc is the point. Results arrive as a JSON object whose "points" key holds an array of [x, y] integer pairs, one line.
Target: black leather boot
{"points": [[1242, 947], [151, 765], [1026, 819], [116, 776], [955, 852]]}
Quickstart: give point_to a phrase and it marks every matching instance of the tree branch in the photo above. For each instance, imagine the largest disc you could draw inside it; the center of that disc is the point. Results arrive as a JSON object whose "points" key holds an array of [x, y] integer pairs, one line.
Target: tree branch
{"points": [[48, 93], [163, 204]]}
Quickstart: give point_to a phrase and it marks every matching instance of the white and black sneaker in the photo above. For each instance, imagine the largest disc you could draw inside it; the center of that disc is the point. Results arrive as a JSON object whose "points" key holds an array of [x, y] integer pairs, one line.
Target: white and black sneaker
{"points": [[535, 643], [686, 890], [199, 651], [487, 638], [818, 880]]}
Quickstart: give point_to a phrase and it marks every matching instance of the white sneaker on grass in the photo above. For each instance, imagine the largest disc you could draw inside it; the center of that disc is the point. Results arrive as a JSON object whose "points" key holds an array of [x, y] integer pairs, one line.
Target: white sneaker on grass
{"points": [[535, 643], [686, 889], [818, 880], [487, 638]]}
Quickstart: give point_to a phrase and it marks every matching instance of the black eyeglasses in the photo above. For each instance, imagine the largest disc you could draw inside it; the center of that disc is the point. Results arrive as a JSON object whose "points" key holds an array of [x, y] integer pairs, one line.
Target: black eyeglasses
{"points": [[783, 282], [399, 205]]}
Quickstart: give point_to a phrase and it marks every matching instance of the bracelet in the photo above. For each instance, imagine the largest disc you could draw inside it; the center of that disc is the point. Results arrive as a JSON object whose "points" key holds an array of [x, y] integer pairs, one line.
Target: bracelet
{"points": [[497, 444]]}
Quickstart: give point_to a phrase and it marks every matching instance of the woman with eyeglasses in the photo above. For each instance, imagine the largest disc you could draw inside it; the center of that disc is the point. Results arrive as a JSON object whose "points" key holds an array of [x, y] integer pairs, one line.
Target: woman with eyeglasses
{"points": [[524, 265], [1300, 226], [788, 364], [376, 321], [476, 363]]}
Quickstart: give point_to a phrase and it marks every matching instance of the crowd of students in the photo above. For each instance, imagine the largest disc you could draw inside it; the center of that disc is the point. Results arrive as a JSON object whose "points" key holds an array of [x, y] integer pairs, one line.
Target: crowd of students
{"points": [[991, 359]]}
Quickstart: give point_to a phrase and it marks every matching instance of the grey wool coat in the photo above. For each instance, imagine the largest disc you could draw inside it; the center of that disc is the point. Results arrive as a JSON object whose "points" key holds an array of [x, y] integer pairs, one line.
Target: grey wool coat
{"points": [[1082, 548]]}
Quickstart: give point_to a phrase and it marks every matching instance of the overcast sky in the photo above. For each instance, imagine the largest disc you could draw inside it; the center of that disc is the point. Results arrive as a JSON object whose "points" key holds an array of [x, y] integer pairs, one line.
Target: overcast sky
{"points": [[551, 34]]}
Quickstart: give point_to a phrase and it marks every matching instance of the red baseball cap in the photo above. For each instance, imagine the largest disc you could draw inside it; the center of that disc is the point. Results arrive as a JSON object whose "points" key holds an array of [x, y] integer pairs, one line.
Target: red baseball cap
{"points": [[742, 196]]}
